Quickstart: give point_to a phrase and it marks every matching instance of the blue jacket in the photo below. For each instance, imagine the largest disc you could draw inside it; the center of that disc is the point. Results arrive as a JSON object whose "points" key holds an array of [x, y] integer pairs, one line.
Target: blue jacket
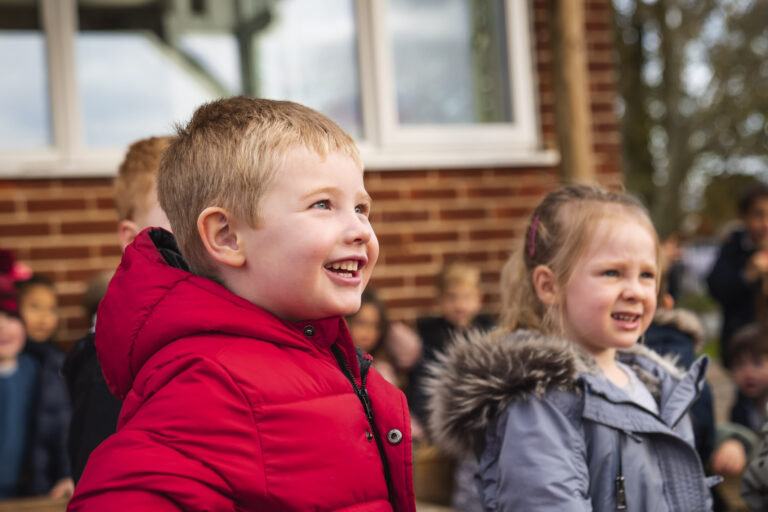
{"points": [[552, 434]]}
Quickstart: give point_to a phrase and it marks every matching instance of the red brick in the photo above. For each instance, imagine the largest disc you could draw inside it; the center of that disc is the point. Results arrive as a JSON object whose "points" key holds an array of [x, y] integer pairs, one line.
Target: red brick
{"points": [[105, 203], [457, 214], [87, 182], [387, 282], [79, 324], [7, 206], [404, 216], [111, 250], [47, 253], [410, 302], [425, 280], [25, 229], [491, 191], [442, 193], [70, 299], [86, 227], [490, 234], [513, 212], [473, 257], [406, 259], [389, 240], [447, 236], [403, 175], [51, 205]]}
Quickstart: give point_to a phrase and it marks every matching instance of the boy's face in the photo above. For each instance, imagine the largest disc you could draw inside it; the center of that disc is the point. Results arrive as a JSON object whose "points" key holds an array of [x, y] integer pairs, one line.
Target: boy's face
{"points": [[39, 309], [460, 303], [750, 373], [313, 250], [756, 222], [11, 338]]}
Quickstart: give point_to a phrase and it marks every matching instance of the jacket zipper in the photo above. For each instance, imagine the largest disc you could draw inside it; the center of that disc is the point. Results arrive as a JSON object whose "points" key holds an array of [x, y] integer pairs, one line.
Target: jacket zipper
{"points": [[365, 400]]}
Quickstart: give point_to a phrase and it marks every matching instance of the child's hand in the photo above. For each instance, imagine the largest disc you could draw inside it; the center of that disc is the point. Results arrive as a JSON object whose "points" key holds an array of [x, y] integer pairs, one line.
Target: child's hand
{"points": [[64, 488], [403, 345], [729, 458], [756, 266]]}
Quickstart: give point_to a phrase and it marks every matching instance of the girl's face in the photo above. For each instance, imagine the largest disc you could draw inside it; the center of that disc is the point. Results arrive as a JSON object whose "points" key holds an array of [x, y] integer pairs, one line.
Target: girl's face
{"points": [[38, 309], [611, 297], [364, 327]]}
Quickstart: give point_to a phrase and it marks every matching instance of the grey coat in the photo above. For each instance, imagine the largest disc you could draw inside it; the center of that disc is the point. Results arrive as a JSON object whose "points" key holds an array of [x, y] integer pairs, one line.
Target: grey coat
{"points": [[552, 434]]}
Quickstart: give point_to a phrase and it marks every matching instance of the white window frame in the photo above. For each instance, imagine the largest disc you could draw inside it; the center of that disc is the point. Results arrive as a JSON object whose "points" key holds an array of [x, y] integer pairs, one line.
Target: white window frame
{"points": [[387, 145]]}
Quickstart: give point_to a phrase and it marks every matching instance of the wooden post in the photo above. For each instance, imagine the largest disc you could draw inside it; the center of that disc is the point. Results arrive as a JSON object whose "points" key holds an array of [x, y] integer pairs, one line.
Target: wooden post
{"points": [[573, 115]]}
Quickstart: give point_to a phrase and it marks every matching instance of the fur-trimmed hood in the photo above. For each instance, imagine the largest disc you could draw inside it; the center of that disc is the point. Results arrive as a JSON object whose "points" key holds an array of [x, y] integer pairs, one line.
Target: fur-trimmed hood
{"points": [[480, 374]]}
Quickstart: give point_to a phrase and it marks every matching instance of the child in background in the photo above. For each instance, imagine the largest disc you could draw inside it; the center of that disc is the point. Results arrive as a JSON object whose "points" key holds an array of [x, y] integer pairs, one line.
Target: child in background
{"points": [[564, 408], [459, 300], [739, 278], [679, 333], [394, 347], [38, 308], [241, 386], [33, 408], [94, 409]]}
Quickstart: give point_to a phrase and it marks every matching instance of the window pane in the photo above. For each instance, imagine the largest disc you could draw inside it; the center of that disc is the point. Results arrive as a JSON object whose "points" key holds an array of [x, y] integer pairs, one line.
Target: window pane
{"points": [[454, 71], [144, 65], [308, 54], [25, 122]]}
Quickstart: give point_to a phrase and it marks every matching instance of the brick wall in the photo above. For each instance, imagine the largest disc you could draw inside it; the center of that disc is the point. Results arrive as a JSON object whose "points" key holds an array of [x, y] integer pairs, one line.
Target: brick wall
{"points": [[66, 228]]}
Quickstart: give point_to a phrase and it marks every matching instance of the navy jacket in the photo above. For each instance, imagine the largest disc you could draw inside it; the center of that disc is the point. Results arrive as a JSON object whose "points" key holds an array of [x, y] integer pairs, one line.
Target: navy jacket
{"points": [[47, 461]]}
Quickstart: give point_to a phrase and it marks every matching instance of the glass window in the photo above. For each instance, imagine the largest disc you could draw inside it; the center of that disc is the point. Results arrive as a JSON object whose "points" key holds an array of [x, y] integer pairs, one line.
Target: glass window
{"points": [[25, 122], [454, 71], [308, 54]]}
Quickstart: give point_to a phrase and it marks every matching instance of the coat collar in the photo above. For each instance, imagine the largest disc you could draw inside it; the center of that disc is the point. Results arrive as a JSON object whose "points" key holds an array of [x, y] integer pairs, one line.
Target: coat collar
{"points": [[479, 375]]}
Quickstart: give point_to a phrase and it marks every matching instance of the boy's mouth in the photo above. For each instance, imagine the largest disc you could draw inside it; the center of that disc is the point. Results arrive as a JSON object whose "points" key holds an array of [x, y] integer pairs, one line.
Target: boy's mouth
{"points": [[345, 268]]}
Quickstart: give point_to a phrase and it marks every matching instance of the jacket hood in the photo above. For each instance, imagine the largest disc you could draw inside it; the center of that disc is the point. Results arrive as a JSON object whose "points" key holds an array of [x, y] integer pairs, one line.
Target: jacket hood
{"points": [[683, 320], [480, 374], [153, 300]]}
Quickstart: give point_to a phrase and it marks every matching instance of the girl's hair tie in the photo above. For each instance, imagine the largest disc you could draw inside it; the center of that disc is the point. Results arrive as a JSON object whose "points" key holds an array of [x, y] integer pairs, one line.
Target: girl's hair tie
{"points": [[532, 241]]}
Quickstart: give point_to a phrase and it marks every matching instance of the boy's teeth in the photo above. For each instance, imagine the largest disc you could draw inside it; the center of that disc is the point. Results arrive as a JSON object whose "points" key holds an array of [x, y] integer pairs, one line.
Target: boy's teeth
{"points": [[344, 265]]}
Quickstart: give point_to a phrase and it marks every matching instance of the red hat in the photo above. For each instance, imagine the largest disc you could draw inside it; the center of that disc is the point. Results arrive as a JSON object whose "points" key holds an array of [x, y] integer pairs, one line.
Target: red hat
{"points": [[10, 272]]}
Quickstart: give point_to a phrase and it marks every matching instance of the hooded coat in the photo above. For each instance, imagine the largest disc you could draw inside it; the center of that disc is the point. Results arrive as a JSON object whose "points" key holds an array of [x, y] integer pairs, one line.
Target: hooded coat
{"points": [[553, 434], [227, 407]]}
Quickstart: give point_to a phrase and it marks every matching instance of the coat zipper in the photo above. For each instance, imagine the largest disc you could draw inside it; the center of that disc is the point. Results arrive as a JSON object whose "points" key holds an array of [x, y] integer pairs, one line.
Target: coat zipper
{"points": [[365, 400]]}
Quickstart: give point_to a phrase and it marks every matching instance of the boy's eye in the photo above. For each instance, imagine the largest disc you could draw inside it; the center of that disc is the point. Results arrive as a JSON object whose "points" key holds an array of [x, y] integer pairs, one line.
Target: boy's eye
{"points": [[323, 205], [648, 275], [610, 273], [363, 208]]}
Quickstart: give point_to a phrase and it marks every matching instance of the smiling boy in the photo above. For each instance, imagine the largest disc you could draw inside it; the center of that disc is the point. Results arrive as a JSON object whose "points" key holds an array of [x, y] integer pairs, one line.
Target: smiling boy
{"points": [[242, 389]]}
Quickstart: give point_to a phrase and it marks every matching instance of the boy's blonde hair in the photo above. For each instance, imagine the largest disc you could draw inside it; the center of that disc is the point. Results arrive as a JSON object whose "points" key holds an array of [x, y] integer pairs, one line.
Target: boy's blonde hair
{"points": [[560, 230], [137, 175], [457, 273], [227, 156]]}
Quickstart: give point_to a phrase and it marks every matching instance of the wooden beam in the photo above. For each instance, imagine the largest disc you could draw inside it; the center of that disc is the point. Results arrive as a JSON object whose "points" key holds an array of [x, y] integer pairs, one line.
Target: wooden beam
{"points": [[573, 115]]}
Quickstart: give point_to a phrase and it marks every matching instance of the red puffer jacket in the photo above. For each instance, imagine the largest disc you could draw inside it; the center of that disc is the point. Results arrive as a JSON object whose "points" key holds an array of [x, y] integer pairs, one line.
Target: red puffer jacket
{"points": [[227, 407]]}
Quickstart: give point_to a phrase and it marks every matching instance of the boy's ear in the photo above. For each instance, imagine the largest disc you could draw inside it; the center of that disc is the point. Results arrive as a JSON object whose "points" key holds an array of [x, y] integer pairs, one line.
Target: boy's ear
{"points": [[126, 232], [545, 284], [219, 237]]}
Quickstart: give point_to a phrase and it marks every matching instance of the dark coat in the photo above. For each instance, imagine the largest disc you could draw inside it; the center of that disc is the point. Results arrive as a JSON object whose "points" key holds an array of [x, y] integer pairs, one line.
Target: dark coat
{"points": [[436, 334], [48, 461], [737, 297], [679, 333], [94, 408]]}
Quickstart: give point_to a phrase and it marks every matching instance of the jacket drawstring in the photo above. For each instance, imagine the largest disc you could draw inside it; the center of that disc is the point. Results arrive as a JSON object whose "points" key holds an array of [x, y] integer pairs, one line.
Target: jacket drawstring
{"points": [[621, 494]]}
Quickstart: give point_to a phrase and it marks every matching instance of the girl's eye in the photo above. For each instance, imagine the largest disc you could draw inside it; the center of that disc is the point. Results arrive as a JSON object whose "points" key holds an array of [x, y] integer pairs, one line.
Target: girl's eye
{"points": [[610, 273], [648, 275], [322, 205]]}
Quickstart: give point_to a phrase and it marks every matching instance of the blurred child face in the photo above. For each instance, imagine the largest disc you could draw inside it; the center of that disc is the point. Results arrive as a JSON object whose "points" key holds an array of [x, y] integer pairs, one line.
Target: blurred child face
{"points": [[38, 309], [11, 338], [756, 222], [611, 296], [153, 216], [313, 250], [365, 327], [460, 303], [750, 373]]}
